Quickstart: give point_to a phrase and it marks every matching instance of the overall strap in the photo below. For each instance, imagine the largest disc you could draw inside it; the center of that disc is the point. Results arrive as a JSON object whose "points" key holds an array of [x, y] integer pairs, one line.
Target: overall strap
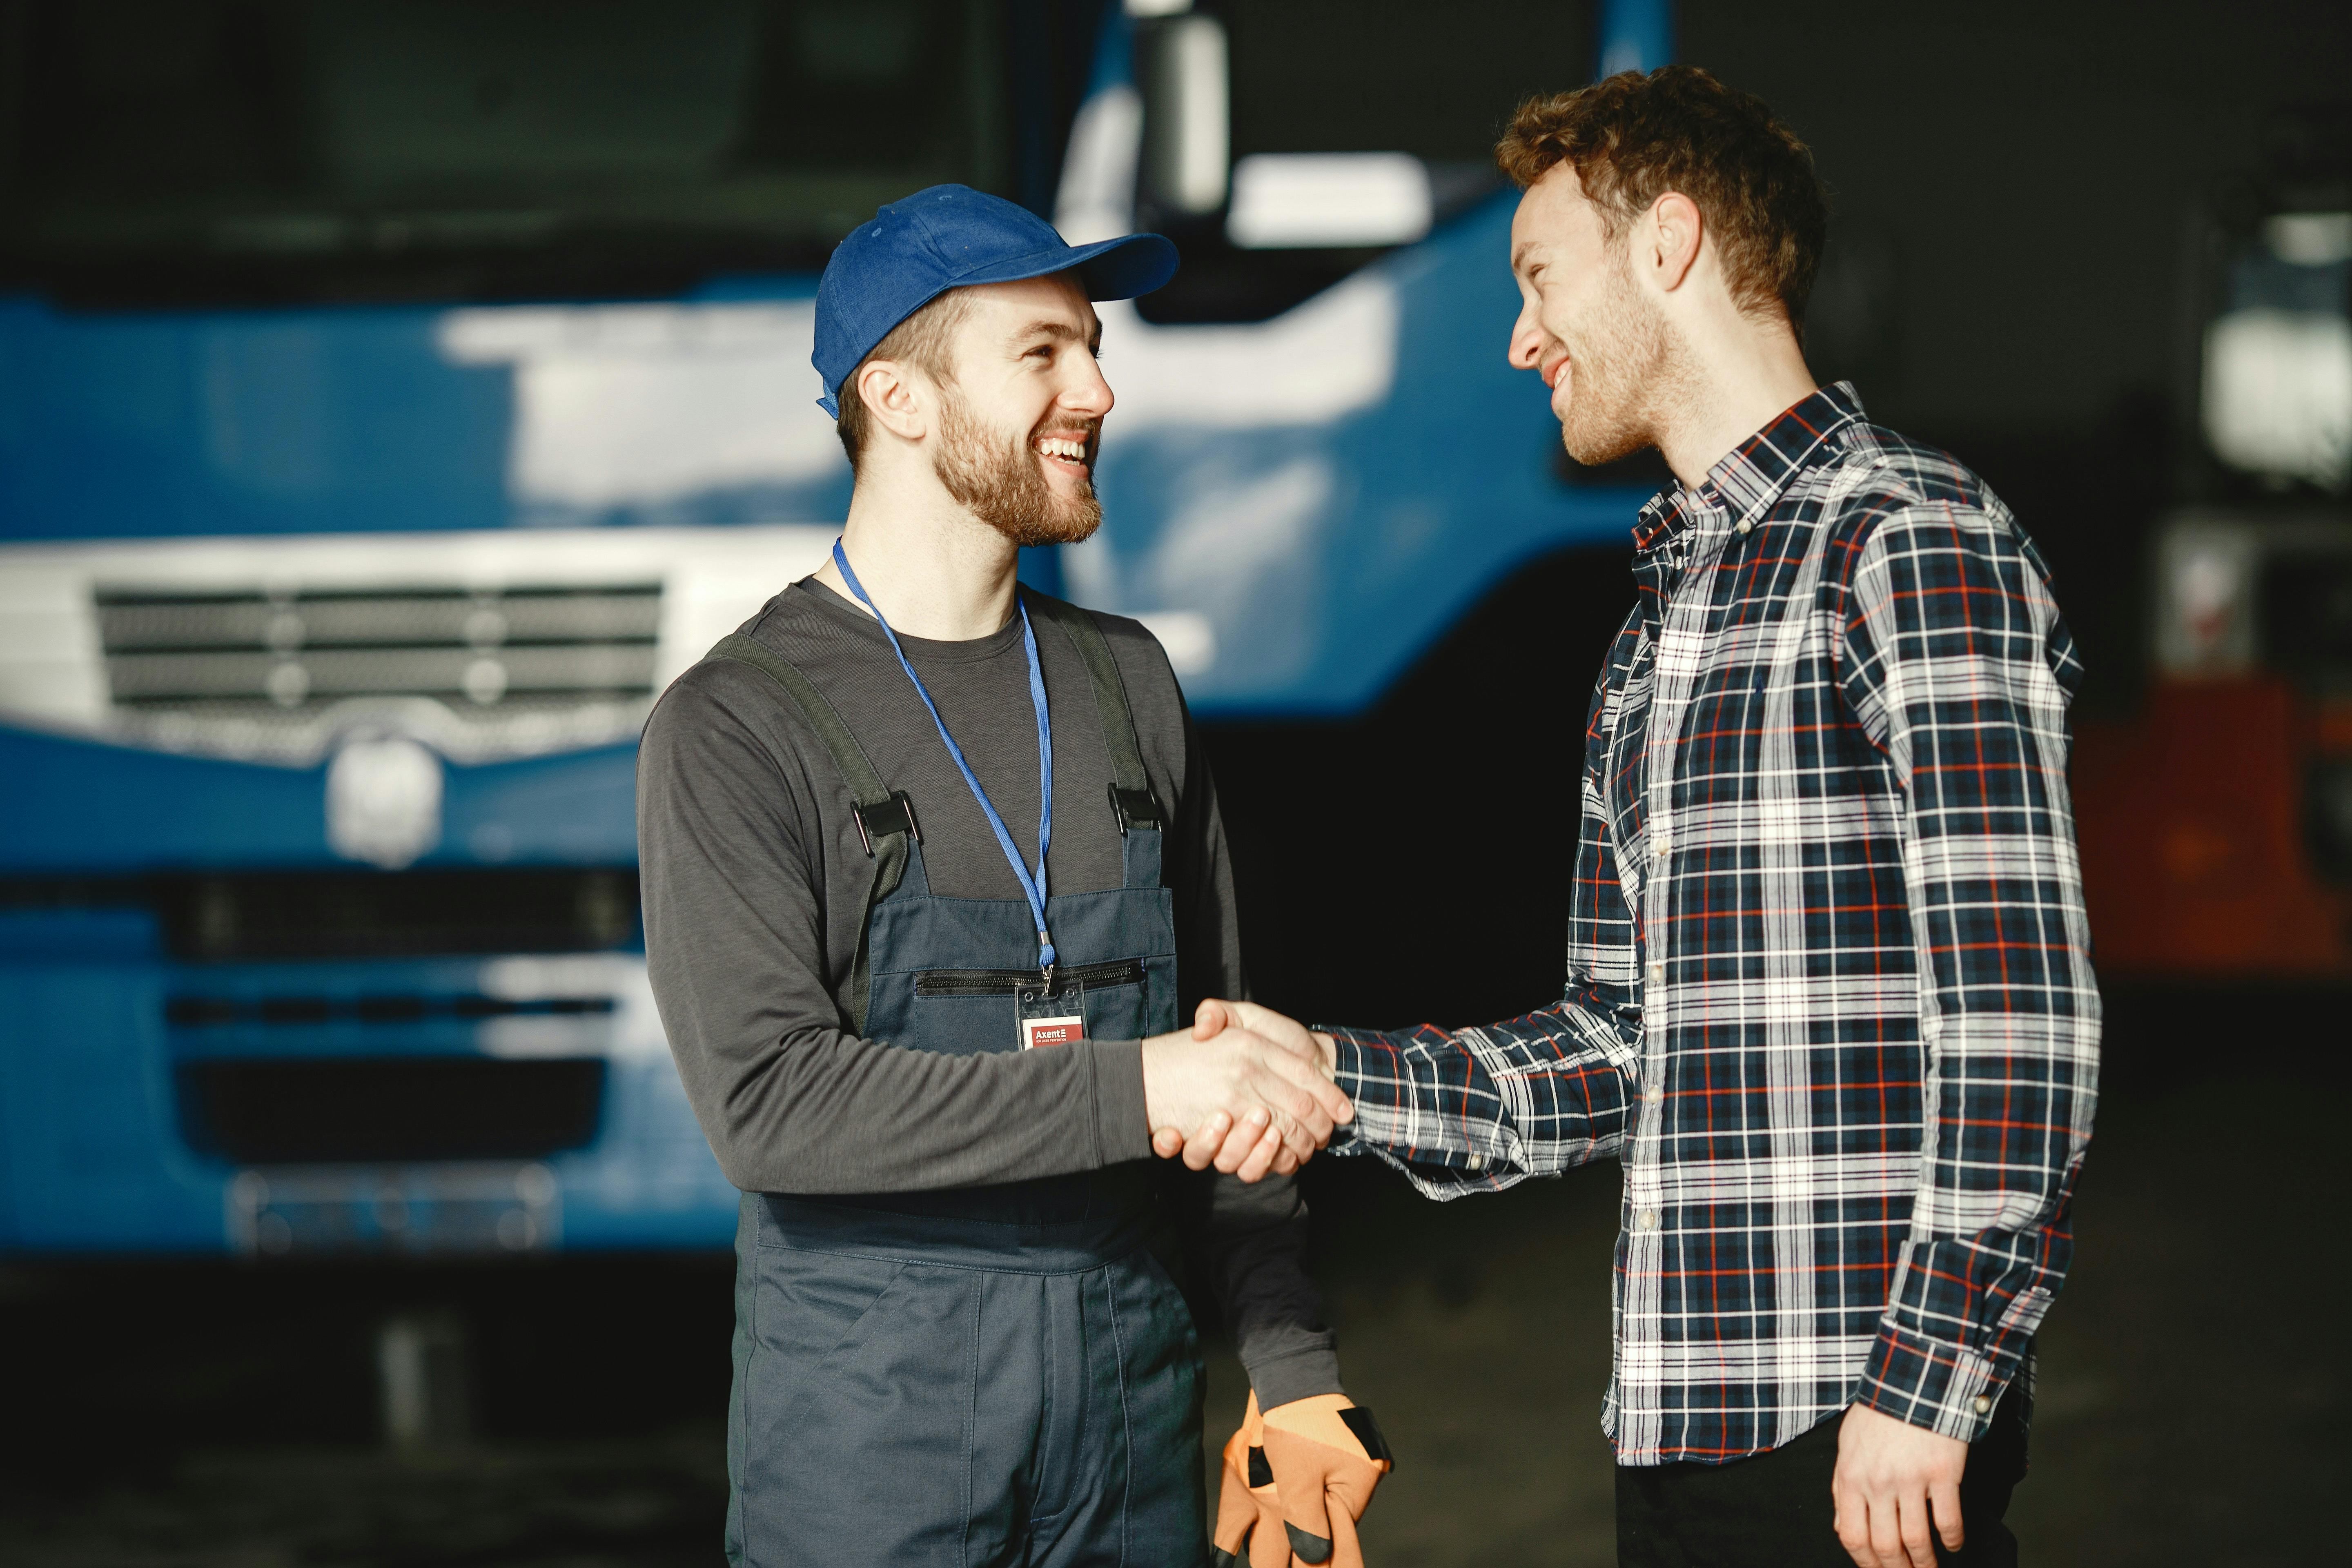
{"points": [[885, 817], [1130, 790]]}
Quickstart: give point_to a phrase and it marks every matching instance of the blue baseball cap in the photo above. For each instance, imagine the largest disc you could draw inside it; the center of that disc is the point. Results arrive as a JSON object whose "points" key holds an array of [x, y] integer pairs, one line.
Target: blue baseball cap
{"points": [[951, 237]]}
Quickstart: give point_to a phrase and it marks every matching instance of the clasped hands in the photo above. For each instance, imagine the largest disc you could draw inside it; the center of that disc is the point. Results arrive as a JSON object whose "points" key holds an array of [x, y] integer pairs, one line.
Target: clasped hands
{"points": [[1256, 1088]]}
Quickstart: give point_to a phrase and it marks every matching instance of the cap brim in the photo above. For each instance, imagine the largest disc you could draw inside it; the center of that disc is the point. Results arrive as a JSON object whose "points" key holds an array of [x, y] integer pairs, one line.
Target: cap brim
{"points": [[1118, 268], [1123, 267]]}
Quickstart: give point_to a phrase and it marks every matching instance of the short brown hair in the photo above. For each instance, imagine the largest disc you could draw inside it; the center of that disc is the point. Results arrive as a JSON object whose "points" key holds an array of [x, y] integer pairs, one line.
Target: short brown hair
{"points": [[924, 339], [1633, 138]]}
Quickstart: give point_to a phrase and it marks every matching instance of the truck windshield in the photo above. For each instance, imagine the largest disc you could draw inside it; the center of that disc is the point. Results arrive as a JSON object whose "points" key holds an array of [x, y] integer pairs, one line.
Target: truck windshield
{"points": [[156, 151]]}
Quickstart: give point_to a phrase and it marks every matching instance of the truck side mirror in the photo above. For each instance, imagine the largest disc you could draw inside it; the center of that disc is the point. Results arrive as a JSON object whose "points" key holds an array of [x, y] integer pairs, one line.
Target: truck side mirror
{"points": [[1187, 134]]}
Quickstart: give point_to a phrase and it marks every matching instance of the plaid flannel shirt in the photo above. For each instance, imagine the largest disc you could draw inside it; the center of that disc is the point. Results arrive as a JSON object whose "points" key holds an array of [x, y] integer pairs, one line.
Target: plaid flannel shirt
{"points": [[1829, 991]]}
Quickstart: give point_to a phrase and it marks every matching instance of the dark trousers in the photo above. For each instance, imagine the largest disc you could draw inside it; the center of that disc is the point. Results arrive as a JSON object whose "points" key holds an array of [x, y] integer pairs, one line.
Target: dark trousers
{"points": [[912, 1391], [1773, 1509]]}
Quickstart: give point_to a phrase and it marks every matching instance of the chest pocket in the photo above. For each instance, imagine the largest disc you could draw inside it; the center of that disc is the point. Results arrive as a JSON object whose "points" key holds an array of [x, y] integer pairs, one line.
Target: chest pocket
{"points": [[967, 1010]]}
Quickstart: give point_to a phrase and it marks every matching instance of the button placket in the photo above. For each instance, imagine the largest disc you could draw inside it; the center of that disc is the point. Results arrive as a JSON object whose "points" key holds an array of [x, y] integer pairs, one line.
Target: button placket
{"points": [[1624, 836], [1677, 642], [1679, 637]]}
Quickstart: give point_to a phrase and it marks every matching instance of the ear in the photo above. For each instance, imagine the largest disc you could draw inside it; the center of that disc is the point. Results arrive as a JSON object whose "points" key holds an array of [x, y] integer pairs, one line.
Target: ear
{"points": [[1669, 239], [897, 397]]}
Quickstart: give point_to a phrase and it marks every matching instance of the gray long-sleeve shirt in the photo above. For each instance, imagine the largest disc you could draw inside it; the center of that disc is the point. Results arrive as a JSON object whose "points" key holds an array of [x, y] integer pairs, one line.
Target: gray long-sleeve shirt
{"points": [[754, 900]]}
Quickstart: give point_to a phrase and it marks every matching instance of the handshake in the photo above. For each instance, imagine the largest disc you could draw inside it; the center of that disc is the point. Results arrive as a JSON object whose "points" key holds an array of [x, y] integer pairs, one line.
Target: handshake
{"points": [[1244, 1090]]}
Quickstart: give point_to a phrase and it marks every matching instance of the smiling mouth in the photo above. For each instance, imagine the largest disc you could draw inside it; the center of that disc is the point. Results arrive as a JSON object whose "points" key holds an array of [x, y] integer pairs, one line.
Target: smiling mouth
{"points": [[1062, 451], [1555, 374]]}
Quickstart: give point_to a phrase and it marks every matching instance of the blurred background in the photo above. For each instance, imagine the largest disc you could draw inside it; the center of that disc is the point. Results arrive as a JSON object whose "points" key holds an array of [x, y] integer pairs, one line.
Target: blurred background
{"points": [[395, 395]]}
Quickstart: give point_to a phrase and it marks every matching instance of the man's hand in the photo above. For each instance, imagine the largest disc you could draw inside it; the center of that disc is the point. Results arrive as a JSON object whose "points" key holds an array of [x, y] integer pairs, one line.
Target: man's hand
{"points": [[1277, 1103], [1889, 1475], [1246, 1500], [1219, 1140], [1297, 1479]]}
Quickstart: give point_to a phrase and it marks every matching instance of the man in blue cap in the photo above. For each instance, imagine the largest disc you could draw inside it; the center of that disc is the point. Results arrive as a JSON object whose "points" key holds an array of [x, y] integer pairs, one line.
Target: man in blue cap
{"points": [[933, 869]]}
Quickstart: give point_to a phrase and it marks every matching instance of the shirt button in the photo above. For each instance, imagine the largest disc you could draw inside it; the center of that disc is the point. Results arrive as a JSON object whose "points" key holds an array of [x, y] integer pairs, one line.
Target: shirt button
{"points": [[1657, 971], [1662, 843], [1984, 1404], [1745, 524], [1647, 1220], [1478, 1161]]}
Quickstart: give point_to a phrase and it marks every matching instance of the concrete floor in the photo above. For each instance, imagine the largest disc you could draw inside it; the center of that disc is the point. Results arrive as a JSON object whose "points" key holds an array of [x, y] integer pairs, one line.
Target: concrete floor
{"points": [[2193, 1379]]}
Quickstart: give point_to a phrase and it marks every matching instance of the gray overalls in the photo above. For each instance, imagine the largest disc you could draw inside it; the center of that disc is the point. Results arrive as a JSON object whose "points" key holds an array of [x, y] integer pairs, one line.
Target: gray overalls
{"points": [[990, 1375]]}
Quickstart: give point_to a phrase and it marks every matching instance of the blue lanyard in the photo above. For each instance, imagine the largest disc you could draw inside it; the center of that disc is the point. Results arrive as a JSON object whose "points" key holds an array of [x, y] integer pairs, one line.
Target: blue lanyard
{"points": [[1032, 888]]}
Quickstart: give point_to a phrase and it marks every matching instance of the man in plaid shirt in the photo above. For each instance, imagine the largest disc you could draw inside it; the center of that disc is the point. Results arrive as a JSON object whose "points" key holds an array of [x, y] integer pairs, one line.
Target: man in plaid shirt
{"points": [[1828, 993]]}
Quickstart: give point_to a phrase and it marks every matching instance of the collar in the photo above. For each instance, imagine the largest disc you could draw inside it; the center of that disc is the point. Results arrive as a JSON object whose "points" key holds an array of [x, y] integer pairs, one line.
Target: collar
{"points": [[852, 617], [1748, 479], [1752, 475], [1664, 521]]}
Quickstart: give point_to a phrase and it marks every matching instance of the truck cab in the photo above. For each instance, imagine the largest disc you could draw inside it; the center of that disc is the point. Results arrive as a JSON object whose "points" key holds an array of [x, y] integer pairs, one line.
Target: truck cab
{"points": [[398, 396]]}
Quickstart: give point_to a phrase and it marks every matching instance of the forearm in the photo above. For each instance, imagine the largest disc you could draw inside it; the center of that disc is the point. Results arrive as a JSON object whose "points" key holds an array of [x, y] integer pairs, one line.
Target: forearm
{"points": [[1250, 1240], [1481, 1109], [827, 1113]]}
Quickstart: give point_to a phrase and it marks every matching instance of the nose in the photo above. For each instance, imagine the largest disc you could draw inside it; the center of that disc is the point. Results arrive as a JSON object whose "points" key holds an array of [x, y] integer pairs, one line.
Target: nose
{"points": [[1086, 393], [1526, 351]]}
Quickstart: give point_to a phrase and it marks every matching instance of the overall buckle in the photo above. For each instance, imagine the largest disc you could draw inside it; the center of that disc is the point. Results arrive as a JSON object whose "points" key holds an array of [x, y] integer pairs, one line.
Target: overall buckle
{"points": [[895, 814], [1135, 808]]}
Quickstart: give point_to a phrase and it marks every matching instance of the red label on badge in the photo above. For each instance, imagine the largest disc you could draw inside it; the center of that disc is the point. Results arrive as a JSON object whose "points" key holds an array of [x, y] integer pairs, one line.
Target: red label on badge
{"points": [[1038, 1032]]}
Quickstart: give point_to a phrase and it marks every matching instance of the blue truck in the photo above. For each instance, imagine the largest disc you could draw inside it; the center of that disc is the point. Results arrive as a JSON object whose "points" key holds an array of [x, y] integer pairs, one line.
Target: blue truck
{"points": [[393, 398]]}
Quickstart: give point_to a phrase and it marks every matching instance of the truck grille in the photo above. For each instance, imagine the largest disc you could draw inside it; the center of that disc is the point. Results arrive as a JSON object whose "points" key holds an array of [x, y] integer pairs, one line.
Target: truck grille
{"points": [[272, 663], [360, 915], [389, 1110], [391, 1007]]}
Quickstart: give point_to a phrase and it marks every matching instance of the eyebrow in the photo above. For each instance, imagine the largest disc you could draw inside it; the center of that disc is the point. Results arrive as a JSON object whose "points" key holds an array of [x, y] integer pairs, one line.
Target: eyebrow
{"points": [[1061, 332]]}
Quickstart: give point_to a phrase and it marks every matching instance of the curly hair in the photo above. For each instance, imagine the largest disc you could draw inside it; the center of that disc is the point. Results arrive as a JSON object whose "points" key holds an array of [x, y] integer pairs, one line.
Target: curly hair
{"points": [[1631, 138]]}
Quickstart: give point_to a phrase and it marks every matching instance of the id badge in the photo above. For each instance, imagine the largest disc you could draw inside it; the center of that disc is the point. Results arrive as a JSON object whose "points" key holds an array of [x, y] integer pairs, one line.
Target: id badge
{"points": [[1050, 1016]]}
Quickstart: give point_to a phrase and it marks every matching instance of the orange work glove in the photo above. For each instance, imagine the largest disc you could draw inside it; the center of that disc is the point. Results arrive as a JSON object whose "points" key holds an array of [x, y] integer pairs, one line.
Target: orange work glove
{"points": [[1310, 1467], [1246, 1501]]}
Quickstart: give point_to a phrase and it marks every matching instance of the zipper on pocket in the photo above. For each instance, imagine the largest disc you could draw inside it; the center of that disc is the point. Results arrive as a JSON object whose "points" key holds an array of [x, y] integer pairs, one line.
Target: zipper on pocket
{"points": [[1006, 982]]}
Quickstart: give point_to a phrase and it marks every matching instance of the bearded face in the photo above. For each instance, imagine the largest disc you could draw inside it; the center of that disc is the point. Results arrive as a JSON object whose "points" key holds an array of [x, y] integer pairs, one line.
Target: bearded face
{"points": [[1622, 356], [1000, 476]]}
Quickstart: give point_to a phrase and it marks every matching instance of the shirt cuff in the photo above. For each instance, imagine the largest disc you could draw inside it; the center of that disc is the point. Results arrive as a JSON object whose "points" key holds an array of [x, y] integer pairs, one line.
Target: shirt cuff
{"points": [[1439, 1173], [1925, 1383], [1122, 1130], [1348, 1072], [1296, 1375]]}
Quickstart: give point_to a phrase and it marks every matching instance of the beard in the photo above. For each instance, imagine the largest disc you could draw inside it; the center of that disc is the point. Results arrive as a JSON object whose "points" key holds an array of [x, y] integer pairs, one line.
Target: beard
{"points": [[1004, 485], [1623, 364]]}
